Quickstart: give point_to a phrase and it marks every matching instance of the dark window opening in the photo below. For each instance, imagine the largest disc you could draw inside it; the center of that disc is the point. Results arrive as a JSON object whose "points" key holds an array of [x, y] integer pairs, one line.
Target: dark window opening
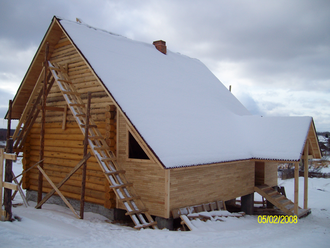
{"points": [[134, 149]]}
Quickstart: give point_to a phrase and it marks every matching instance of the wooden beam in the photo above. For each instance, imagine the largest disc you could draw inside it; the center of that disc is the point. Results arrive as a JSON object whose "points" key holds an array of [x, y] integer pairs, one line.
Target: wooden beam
{"points": [[1, 177], [65, 113], [43, 121], [306, 175], [296, 187], [11, 186], [7, 184], [9, 119], [167, 193], [10, 156], [57, 191]]}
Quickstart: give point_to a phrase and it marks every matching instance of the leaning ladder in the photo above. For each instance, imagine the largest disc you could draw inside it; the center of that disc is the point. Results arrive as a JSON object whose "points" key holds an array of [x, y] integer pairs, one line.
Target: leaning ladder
{"points": [[105, 157]]}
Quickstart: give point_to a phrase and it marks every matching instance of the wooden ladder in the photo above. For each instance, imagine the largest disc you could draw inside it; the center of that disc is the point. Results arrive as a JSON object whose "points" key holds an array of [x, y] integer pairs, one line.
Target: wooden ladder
{"points": [[279, 200], [116, 177]]}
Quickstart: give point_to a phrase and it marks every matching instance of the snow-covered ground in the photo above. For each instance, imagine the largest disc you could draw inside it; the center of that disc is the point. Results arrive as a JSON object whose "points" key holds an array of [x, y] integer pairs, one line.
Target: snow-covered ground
{"points": [[55, 226]]}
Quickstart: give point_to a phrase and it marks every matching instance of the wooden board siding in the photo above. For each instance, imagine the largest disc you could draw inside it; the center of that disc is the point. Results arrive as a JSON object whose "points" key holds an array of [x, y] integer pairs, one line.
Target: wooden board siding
{"points": [[148, 177], [266, 173], [195, 185], [259, 176], [271, 173]]}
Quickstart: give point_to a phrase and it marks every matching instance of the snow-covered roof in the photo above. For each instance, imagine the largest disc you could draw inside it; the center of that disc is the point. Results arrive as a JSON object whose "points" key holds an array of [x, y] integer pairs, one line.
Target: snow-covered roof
{"points": [[181, 110]]}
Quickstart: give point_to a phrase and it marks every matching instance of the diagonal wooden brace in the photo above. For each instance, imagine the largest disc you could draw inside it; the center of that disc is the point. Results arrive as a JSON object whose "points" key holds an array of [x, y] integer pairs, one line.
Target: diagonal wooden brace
{"points": [[59, 185]]}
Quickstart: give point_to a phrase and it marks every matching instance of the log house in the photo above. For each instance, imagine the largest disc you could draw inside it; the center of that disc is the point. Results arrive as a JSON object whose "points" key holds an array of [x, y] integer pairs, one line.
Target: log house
{"points": [[170, 159]]}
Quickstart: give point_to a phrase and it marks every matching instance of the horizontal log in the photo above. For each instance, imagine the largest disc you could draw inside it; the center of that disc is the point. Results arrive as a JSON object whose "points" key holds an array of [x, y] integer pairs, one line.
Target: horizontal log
{"points": [[37, 126], [110, 135], [110, 114], [69, 195], [66, 59], [70, 189], [62, 44], [54, 137], [94, 183], [111, 108], [110, 204], [111, 128], [65, 162], [68, 143]]}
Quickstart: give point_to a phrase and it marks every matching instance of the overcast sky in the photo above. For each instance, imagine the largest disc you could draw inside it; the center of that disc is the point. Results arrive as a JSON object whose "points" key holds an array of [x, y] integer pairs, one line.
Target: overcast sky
{"points": [[275, 54]]}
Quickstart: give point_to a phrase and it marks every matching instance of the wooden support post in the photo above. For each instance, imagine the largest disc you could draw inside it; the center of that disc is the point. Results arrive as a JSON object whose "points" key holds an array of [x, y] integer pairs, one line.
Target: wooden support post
{"points": [[306, 176], [42, 131], [296, 187], [8, 178], [9, 119], [1, 179], [83, 180]]}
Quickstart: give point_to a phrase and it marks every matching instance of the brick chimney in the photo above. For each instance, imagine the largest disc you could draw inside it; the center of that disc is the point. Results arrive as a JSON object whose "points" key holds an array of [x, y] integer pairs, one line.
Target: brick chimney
{"points": [[160, 45]]}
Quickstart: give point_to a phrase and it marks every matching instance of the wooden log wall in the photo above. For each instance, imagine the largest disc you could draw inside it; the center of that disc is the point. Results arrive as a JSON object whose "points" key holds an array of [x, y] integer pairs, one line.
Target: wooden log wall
{"points": [[147, 176], [64, 148], [196, 185]]}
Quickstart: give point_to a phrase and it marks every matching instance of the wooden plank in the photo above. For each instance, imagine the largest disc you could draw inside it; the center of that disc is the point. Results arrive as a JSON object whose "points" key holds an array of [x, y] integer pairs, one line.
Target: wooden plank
{"points": [[296, 187], [57, 191], [186, 221], [124, 185], [306, 175], [10, 156], [115, 172], [11, 186], [167, 193]]}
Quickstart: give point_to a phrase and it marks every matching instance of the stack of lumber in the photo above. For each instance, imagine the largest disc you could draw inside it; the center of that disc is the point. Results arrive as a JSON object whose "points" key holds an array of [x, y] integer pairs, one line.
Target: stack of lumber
{"points": [[212, 211], [189, 219]]}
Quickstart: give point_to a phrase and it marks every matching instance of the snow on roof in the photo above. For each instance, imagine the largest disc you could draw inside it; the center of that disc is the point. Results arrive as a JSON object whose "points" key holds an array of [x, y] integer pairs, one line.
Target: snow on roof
{"points": [[181, 110]]}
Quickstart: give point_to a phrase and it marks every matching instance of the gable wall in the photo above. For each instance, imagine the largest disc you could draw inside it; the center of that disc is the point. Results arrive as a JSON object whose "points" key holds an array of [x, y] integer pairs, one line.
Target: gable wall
{"points": [[64, 148], [148, 177]]}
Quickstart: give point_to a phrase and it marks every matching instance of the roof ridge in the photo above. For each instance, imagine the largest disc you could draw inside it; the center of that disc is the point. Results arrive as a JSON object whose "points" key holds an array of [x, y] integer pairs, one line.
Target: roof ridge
{"points": [[89, 26]]}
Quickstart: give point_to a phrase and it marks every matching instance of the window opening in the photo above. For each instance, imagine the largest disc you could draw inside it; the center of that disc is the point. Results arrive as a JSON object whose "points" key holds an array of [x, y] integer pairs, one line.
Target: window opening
{"points": [[134, 149]]}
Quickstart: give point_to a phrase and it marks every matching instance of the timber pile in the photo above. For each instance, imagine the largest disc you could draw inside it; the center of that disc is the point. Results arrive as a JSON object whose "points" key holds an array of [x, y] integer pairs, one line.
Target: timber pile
{"points": [[191, 220], [210, 206]]}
